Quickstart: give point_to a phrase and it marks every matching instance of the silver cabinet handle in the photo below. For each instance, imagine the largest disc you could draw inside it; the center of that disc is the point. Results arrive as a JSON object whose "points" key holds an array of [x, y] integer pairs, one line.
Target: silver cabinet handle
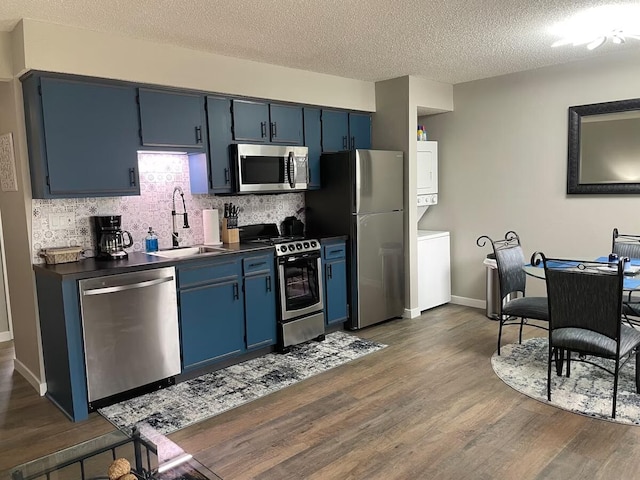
{"points": [[122, 288]]}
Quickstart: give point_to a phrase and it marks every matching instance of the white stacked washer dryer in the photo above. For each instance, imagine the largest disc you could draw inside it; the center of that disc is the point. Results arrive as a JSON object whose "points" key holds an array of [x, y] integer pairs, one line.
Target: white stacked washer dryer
{"points": [[434, 269]]}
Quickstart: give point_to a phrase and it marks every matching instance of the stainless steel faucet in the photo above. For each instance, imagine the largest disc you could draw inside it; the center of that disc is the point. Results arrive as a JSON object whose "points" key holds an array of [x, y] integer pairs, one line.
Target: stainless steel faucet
{"points": [[175, 238]]}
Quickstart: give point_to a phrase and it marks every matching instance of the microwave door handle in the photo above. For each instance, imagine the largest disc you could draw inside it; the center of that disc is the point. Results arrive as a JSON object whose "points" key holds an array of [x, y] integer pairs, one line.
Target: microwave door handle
{"points": [[291, 172]]}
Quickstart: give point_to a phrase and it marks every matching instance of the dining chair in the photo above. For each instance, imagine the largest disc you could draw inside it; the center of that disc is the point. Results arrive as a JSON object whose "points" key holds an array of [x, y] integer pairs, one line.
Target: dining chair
{"points": [[626, 245], [514, 304], [585, 303]]}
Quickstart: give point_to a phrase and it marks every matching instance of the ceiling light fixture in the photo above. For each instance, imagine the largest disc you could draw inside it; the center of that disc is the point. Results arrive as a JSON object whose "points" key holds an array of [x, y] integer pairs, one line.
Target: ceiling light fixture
{"points": [[595, 26]]}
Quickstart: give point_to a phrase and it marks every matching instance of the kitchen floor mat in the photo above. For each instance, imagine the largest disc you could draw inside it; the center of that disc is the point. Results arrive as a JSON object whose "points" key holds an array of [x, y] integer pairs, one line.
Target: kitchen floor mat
{"points": [[195, 400]]}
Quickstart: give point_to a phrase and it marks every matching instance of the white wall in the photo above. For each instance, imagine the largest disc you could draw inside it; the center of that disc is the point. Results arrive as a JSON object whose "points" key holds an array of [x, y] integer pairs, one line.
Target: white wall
{"points": [[6, 60], [394, 128], [64, 49], [503, 166]]}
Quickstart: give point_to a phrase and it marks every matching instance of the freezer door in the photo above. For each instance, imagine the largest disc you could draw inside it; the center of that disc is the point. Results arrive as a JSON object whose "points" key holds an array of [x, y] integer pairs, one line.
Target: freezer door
{"points": [[379, 263], [379, 181]]}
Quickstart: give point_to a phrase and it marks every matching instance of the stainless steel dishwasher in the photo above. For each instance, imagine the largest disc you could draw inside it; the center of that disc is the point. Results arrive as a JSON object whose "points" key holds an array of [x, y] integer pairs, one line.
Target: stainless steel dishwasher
{"points": [[130, 331]]}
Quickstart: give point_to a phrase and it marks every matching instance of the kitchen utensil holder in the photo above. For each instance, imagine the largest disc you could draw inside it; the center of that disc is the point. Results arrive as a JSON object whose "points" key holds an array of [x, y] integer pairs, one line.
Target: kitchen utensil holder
{"points": [[230, 233]]}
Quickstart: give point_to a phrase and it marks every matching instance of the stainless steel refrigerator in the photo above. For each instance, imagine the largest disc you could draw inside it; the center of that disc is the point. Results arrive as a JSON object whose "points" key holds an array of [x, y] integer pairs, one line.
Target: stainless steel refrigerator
{"points": [[361, 196]]}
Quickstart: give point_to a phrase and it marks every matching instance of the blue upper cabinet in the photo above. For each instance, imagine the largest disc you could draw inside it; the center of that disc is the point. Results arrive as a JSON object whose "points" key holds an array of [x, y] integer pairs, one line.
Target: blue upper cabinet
{"points": [[335, 131], [82, 138], [359, 131], [260, 122], [172, 120], [212, 173], [285, 124], [250, 121], [313, 141], [345, 131]]}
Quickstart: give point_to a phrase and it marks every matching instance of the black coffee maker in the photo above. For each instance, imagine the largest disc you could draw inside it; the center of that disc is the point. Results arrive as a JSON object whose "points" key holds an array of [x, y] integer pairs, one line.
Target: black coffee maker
{"points": [[110, 240]]}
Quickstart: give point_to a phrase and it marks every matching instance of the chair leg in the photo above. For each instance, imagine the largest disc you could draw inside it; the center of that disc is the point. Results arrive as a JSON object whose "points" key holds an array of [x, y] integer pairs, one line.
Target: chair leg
{"points": [[551, 353], [521, 325], [637, 371], [500, 333], [568, 363], [615, 387], [559, 356]]}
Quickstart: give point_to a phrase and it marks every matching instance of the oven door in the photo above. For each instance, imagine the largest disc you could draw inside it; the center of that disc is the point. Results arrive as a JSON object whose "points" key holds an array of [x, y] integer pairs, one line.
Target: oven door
{"points": [[300, 285]]}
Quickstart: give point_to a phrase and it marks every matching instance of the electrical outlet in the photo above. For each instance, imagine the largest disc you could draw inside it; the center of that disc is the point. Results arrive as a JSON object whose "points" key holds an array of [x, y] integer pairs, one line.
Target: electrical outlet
{"points": [[62, 221]]}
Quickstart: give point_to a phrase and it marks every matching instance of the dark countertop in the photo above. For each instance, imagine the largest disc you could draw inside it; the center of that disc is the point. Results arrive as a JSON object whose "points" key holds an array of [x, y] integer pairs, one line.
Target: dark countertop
{"points": [[90, 267]]}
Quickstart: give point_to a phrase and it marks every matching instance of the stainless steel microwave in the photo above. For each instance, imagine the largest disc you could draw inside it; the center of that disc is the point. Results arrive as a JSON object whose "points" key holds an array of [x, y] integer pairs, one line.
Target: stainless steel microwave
{"points": [[270, 168]]}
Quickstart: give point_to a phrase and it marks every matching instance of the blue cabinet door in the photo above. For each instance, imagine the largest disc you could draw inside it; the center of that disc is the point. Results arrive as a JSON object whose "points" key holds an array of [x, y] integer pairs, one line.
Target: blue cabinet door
{"points": [[250, 121], [260, 301], [83, 138], [335, 282], [210, 172], [171, 119], [260, 310], [211, 311], [313, 141], [335, 131], [285, 124], [211, 323], [359, 131]]}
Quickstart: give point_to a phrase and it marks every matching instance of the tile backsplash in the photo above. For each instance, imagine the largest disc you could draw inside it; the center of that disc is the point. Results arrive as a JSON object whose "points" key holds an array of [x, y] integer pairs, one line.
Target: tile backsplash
{"points": [[159, 174]]}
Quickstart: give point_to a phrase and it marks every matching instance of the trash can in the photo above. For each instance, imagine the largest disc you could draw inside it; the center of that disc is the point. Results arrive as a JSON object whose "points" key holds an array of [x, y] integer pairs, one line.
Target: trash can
{"points": [[492, 287]]}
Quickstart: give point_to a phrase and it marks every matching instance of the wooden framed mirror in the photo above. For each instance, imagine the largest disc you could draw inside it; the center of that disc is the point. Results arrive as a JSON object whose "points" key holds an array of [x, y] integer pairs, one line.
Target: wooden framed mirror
{"points": [[604, 148]]}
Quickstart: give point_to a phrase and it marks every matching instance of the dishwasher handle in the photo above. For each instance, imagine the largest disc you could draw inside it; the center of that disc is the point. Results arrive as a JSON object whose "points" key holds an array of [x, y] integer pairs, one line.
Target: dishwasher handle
{"points": [[131, 286]]}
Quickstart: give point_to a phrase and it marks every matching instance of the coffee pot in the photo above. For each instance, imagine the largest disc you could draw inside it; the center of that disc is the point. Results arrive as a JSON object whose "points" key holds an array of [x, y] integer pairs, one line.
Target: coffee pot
{"points": [[110, 239]]}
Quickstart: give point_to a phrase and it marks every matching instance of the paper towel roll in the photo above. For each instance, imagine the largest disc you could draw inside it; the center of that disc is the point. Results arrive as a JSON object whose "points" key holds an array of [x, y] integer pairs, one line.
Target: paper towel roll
{"points": [[211, 227]]}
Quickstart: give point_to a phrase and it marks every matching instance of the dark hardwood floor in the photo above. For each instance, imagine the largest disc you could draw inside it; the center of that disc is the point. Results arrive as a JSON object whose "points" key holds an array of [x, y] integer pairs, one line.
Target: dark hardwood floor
{"points": [[429, 406]]}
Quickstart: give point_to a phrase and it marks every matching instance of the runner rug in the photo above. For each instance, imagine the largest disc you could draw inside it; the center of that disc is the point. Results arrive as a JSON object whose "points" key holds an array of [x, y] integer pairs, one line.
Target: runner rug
{"points": [[195, 400], [589, 390]]}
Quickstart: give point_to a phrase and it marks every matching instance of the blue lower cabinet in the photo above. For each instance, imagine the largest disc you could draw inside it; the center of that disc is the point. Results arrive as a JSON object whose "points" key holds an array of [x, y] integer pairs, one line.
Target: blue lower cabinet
{"points": [[260, 301], [211, 312], [335, 282]]}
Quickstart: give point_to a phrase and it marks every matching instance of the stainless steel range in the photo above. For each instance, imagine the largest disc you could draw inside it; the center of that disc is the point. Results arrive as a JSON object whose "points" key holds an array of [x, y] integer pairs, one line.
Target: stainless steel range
{"points": [[300, 295]]}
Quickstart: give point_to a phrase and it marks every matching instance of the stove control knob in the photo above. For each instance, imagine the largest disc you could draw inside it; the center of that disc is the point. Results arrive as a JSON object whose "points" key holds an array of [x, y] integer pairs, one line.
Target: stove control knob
{"points": [[299, 246], [306, 244], [313, 244], [283, 248], [291, 247]]}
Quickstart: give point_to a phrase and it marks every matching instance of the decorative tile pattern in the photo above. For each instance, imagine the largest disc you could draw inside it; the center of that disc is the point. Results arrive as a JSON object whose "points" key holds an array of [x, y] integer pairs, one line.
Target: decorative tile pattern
{"points": [[159, 174], [8, 180], [189, 402], [589, 390]]}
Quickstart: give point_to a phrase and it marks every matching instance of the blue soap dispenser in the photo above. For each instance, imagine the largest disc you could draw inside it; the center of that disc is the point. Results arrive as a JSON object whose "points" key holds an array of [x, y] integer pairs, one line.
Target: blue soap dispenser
{"points": [[151, 241]]}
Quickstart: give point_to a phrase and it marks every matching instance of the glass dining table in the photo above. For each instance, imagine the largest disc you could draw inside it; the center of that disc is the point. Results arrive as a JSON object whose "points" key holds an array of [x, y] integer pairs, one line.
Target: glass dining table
{"points": [[631, 279]]}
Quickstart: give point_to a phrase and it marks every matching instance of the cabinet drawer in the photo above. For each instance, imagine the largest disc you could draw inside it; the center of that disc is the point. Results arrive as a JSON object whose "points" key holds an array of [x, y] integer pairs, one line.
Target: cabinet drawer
{"points": [[334, 251], [259, 263], [209, 272]]}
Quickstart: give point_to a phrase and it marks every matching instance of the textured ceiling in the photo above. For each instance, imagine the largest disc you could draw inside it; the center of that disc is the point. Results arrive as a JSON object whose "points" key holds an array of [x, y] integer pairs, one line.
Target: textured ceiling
{"points": [[450, 41]]}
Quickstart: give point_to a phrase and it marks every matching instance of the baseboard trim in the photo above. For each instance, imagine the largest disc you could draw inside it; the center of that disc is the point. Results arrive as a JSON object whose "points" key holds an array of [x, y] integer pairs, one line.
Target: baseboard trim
{"points": [[5, 337], [41, 387], [468, 302], [411, 313]]}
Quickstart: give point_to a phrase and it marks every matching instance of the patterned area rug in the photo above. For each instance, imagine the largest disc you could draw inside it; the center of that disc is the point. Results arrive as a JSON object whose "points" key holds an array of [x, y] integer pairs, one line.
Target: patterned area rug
{"points": [[189, 402], [589, 390]]}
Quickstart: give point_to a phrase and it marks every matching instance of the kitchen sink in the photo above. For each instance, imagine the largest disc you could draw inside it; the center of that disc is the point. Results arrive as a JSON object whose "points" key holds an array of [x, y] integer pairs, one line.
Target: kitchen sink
{"points": [[183, 252]]}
